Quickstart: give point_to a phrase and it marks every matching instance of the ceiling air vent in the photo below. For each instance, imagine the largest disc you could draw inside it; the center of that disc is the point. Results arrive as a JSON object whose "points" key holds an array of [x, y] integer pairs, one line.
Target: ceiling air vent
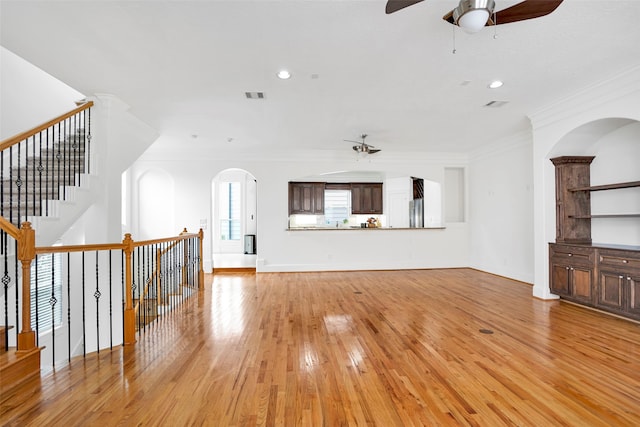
{"points": [[495, 104], [254, 95]]}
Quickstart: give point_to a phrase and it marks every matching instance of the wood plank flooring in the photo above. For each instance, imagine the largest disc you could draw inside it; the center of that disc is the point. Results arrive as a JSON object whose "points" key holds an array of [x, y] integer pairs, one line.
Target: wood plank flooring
{"points": [[392, 348]]}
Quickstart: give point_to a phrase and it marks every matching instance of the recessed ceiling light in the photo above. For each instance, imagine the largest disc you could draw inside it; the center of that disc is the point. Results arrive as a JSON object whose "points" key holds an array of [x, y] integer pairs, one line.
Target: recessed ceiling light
{"points": [[495, 84], [284, 75]]}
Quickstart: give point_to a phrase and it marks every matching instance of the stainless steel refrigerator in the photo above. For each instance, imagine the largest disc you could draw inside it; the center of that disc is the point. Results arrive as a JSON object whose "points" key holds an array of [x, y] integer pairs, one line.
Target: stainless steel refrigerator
{"points": [[416, 213]]}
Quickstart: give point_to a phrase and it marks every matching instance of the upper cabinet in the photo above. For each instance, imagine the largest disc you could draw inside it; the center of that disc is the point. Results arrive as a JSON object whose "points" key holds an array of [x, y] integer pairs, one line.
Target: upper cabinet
{"points": [[306, 198], [366, 198], [573, 208]]}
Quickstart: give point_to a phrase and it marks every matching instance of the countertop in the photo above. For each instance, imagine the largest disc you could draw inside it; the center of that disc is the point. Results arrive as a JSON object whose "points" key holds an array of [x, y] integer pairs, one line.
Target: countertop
{"points": [[362, 229]]}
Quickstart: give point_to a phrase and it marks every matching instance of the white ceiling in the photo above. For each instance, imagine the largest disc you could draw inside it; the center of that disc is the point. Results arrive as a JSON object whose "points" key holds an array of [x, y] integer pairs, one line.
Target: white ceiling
{"points": [[184, 67]]}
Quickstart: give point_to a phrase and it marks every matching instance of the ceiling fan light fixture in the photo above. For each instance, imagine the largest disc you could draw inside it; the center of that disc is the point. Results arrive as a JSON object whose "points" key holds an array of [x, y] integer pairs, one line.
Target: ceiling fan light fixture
{"points": [[472, 15], [495, 84]]}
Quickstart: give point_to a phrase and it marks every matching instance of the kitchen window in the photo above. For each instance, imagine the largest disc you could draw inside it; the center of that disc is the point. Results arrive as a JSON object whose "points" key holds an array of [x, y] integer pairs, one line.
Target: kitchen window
{"points": [[337, 205]]}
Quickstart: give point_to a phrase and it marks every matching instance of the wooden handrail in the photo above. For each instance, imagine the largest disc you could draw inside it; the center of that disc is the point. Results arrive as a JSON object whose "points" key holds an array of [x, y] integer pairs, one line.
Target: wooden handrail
{"points": [[100, 246], [79, 248], [182, 236], [11, 229], [24, 135]]}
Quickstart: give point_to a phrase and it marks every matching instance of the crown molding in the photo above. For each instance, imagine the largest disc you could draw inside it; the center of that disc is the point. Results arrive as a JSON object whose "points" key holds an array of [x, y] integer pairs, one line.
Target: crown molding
{"points": [[615, 87], [518, 140]]}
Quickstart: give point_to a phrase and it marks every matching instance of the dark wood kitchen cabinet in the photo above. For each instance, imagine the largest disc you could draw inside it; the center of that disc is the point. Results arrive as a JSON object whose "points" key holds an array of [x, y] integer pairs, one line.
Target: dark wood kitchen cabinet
{"points": [[306, 198], [571, 270], [366, 198]]}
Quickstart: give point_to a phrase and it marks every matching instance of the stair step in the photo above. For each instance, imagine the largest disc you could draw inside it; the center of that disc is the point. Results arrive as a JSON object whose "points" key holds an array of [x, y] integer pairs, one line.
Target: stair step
{"points": [[28, 181], [31, 170], [17, 368], [34, 162], [50, 187]]}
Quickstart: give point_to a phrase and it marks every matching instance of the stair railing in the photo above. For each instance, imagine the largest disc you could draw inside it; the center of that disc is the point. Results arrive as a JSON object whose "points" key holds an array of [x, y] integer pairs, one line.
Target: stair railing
{"points": [[96, 289], [37, 166]]}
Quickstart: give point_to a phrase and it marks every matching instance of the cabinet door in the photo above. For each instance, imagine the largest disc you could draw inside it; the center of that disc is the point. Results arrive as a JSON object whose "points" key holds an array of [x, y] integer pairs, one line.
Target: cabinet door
{"points": [[301, 198], [560, 280], [633, 295], [581, 283], [366, 198], [376, 198], [318, 199], [356, 199], [611, 290]]}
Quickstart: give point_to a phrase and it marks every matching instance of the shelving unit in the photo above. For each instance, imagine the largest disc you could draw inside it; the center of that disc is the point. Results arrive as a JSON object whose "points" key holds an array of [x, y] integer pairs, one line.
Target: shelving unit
{"points": [[616, 186], [607, 186], [604, 276], [595, 216]]}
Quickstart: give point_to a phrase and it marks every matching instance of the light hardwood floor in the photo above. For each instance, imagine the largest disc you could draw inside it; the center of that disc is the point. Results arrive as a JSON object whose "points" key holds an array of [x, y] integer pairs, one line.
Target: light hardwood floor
{"points": [[393, 348]]}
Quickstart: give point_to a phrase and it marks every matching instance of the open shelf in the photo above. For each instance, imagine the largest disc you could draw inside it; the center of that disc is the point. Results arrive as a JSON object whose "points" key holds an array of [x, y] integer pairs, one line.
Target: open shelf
{"points": [[594, 216], [630, 184]]}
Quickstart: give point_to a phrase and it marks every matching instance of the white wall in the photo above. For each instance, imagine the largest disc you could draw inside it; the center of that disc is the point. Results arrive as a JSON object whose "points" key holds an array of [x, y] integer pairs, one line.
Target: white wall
{"points": [[194, 168], [560, 127], [501, 209], [29, 96]]}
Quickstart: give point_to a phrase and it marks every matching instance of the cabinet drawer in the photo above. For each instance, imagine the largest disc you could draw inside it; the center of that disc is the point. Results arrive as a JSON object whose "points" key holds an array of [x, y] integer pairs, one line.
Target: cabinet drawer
{"points": [[573, 254], [619, 259]]}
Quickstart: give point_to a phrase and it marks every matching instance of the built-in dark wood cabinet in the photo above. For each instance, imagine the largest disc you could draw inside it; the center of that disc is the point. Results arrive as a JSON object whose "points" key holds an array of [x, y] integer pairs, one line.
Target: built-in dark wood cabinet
{"points": [[605, 276], [619, 281], [366, 198], [306, 198], [573, 208], [572, 272]]}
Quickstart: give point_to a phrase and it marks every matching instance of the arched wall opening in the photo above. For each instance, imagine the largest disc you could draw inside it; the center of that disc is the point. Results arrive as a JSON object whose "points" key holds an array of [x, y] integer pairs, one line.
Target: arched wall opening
{"points": [[615, 143], [234, 231]]}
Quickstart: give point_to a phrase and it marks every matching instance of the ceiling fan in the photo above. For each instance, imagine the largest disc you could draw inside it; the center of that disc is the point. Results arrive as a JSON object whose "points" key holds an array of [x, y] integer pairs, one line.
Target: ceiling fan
{"points": [[363, 148], [473, 15]]}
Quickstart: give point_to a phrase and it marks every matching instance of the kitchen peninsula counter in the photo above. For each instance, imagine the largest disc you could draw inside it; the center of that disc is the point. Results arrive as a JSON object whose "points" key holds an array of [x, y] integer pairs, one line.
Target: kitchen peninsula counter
{"points": [[363, 228]]}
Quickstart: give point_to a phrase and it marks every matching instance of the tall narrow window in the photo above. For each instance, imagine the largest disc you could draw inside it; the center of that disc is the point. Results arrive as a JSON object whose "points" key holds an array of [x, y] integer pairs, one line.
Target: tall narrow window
{"points": [[230, 208], [46, 298]]}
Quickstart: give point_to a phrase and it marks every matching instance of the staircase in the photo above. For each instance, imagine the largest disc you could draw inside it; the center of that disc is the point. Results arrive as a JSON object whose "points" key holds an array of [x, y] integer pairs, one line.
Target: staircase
{"points": [[39, 171]]}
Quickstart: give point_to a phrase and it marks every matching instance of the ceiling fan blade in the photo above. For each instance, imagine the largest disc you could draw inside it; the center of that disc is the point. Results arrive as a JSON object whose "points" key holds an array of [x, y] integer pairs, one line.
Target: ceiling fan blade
{"points": [[396, 5], [528, 9], [448, 17], [373, 151]]}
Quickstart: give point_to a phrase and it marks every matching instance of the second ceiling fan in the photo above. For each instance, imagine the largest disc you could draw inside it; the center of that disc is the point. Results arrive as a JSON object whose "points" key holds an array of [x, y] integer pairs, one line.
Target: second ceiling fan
{"points": [[473, 15]]}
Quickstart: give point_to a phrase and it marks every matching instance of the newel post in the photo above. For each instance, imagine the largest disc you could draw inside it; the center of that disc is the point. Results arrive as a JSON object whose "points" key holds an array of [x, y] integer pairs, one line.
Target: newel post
{"points": [[129, 312], [26, 254], [200, 266]]}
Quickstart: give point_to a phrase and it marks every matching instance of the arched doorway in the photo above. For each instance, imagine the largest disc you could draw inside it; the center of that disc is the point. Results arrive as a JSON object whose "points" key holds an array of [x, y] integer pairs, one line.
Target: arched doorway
{"points": [[234, 219]]}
